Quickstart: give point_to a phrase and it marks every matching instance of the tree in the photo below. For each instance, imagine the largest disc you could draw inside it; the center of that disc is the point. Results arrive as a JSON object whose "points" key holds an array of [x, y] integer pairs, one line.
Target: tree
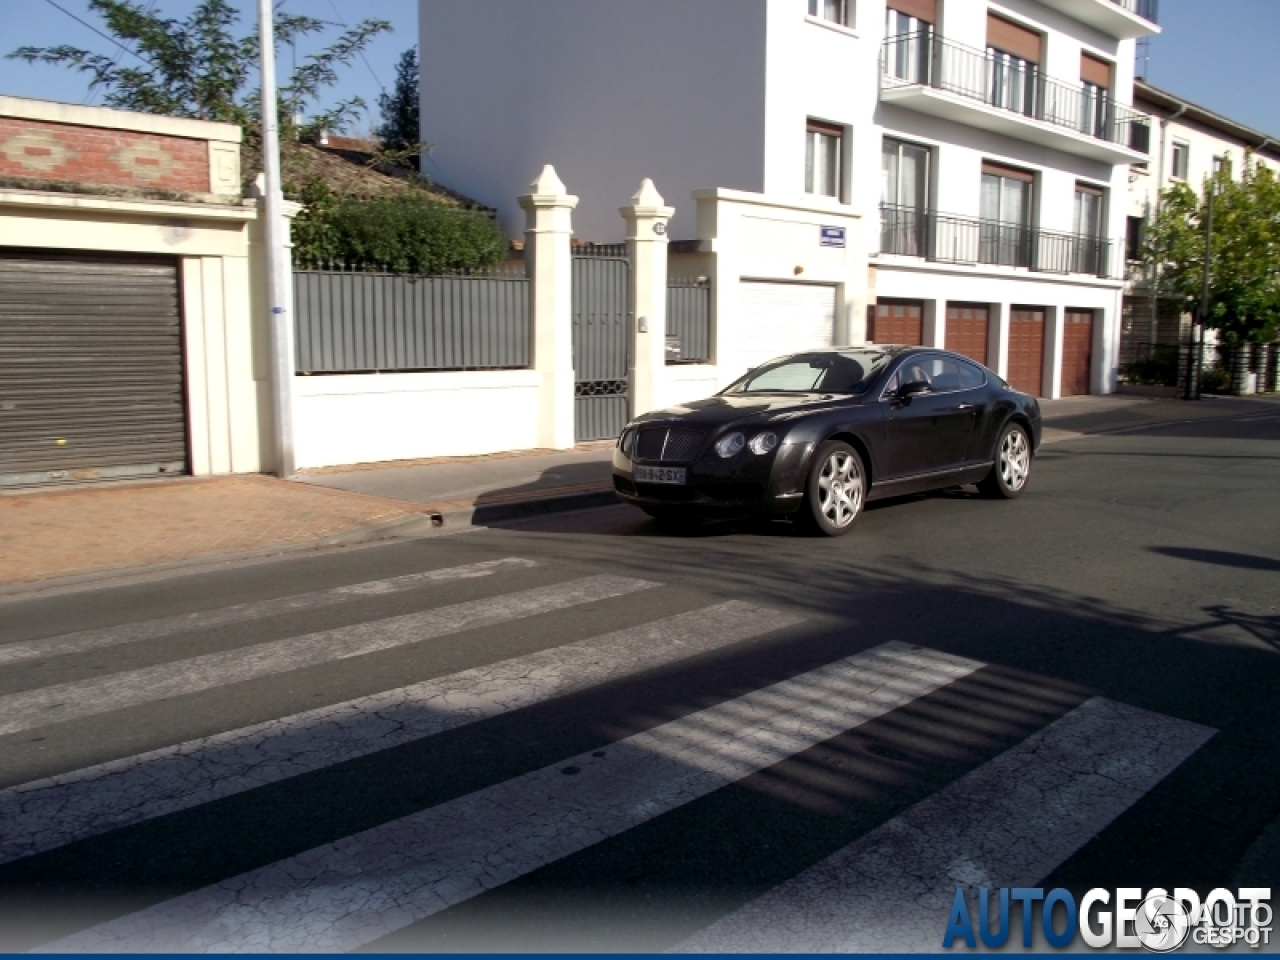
{"points": [[399, 129], [1244, 276], [197, 68]]}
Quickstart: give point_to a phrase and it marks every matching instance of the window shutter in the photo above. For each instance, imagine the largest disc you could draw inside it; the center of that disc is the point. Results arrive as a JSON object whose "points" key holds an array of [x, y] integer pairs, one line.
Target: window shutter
{"points": [[1095, 71], [1013, 38], [926, 10], [1013, 173]]}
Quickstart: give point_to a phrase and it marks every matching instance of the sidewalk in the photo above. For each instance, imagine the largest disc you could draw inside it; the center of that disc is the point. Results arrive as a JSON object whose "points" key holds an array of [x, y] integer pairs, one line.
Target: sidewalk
{"points": [[63, 533], [48, 536], [1117, 413], [485, 489]]}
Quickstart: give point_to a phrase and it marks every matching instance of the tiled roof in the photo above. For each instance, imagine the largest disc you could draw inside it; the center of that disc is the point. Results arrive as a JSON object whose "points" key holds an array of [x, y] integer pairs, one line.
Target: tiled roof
{"points": [[346, 171]]}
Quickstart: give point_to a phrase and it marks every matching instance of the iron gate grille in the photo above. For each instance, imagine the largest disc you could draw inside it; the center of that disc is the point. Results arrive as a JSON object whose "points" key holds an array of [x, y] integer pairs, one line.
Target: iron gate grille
{"points": [[601, 392]]}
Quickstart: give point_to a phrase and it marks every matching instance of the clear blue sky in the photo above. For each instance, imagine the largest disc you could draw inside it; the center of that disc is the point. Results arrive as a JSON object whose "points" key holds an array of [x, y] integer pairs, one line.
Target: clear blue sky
{"points": [[1219, 53]]}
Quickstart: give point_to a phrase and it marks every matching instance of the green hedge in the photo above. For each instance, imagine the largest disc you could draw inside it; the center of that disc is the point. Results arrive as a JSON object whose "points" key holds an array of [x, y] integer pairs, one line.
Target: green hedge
{"points": [[412, 233]]}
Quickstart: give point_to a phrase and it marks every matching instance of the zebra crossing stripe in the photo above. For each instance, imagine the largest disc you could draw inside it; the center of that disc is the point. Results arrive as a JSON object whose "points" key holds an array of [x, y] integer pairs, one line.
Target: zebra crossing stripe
{"points": [[1007, 824], [96, 639], [85, 698], [343, 895], [46, 814]]}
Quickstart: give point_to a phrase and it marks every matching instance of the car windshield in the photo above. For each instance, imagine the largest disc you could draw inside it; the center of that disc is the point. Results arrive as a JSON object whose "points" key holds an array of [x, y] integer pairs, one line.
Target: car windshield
{"points": [[830, 372]]}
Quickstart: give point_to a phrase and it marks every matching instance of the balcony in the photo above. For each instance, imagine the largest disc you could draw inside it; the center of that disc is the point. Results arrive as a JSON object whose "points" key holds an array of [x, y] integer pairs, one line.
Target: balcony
{"points": [[1122, 19], [943, 238], [935, 76]]}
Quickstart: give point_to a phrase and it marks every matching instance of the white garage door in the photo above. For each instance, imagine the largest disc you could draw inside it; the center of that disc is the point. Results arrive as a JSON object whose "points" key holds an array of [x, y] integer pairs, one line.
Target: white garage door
{"points": [[778, 318]]}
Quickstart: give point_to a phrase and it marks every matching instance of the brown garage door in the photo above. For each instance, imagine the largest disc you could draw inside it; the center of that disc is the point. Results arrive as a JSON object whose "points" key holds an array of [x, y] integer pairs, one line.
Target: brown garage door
{"points": [[967, 330], [1077, 352], [898, 321], [1026, 349]]}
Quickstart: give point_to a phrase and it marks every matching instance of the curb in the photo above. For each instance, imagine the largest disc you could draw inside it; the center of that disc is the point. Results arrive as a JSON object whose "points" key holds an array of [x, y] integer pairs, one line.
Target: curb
{"points": [[429, 520]]}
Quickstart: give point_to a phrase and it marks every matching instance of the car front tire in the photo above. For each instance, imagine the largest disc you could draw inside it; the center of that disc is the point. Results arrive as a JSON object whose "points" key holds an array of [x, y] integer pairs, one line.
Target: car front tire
{"points": [[836, 489], [1012, 468]]}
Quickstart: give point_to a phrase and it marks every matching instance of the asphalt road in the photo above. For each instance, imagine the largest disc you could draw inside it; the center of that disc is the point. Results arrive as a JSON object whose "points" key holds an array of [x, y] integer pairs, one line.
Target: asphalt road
{"points": [[585, 732]]}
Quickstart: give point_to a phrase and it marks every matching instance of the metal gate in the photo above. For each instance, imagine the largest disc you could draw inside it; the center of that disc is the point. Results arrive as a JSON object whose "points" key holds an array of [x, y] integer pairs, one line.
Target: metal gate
{"points": [[602, 397], [91, 372]]}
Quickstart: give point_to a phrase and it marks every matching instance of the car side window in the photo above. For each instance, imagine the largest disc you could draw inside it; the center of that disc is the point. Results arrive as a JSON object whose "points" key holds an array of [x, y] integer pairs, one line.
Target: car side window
{"points": [[971, 375]]}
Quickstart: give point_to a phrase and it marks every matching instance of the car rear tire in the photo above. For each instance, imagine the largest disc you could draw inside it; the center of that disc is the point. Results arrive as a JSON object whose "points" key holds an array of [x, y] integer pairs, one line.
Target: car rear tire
{"points": [[1012, 468], [835, 491]]}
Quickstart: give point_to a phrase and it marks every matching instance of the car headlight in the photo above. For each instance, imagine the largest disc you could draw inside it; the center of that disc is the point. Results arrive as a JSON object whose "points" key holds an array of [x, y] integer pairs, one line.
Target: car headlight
{"points": [[625, 441], [763, 442], [730, 445]]}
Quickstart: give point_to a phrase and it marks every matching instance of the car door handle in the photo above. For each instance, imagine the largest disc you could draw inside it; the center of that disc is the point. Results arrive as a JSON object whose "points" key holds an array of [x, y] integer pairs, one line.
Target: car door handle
{"points": [[965, 406]]}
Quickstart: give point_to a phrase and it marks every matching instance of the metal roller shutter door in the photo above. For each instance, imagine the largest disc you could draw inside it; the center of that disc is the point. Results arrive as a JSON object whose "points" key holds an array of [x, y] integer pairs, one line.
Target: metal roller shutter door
{"points": [[779, 318], [1077, 352], [91, 373]]}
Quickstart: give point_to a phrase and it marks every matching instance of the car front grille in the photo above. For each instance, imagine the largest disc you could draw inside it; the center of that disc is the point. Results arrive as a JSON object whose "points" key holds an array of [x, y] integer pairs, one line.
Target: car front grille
{"points": [[668, 444]]}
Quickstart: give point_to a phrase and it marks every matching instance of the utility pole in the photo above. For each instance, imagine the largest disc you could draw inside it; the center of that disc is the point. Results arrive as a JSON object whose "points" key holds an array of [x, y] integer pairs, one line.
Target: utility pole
{"points": [[1198, 351], [278, 274]]}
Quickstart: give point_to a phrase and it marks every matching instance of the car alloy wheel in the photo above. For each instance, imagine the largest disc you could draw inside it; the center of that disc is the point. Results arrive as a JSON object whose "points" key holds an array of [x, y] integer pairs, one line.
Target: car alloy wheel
{"points": [[1012, 468], [837, 488], [1015, 460]]}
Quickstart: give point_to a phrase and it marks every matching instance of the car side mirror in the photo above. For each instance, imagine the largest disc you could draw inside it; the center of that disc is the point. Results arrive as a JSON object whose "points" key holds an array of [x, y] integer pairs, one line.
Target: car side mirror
{"points": [[912, 389]]}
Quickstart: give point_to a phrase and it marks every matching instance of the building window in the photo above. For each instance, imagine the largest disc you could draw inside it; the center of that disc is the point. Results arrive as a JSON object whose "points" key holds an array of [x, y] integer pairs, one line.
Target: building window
{"points": [[904, 197], [1088, 212], [1218, 164], [1095, 85], [1013, 65], [834, 11], [1135, 235], [1004, 234], [822, 159], [1181, 160], [907, 58], [1088, 256]]}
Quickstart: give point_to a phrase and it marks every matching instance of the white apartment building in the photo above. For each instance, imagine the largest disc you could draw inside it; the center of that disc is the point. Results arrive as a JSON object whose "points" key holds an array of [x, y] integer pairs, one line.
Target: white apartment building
{"points": [[1188, 143], [948, 172]]}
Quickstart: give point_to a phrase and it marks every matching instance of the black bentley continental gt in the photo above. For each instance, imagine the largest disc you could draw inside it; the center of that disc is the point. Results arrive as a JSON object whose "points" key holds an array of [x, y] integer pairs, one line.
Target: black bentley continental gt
{"points": [[816, 435]]}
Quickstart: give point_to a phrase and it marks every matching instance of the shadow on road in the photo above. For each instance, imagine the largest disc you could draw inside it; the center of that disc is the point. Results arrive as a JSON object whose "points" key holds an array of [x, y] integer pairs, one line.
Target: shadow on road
{"points": [[1221, 558]]}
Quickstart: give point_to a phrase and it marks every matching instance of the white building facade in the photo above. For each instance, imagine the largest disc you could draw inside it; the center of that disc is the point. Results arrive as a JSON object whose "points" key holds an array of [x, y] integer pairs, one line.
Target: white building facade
{"points": [[947, 172], [1188, 143]]}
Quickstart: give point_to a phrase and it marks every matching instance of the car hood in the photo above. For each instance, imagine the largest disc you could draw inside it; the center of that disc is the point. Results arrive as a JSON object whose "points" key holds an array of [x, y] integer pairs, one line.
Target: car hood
{"points": [[765, 407]]}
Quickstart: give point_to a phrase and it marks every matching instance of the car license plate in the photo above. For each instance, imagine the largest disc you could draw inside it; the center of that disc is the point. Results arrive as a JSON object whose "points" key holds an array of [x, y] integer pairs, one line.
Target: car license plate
{"points": [[660, 475]]}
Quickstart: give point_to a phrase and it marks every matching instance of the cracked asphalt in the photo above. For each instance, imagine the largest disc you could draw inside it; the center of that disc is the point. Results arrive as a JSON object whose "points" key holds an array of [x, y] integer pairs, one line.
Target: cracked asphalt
{"points": [[586, 732]]}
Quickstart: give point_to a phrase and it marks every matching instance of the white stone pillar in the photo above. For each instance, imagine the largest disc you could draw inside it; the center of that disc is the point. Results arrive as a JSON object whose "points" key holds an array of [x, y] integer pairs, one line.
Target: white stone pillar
{"points": [[1054, 330], [647, 217], [935, 324], [1106, 347], [998, 339], [549, 261]]}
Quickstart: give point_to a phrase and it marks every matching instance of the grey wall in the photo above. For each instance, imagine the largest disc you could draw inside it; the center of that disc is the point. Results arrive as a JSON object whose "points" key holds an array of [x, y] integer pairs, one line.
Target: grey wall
{"points": [[609, 91]]}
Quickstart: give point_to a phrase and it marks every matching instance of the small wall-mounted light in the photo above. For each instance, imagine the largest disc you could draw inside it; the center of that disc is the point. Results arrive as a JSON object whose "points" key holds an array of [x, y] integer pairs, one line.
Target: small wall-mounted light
{"points": [[799, 270], [643, 324]]}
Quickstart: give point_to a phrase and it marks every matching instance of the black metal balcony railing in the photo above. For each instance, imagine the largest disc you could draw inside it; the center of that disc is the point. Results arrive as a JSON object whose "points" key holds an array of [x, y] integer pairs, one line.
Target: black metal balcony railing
{"points": [[997, 80], [1147, 9], [909, 232]]}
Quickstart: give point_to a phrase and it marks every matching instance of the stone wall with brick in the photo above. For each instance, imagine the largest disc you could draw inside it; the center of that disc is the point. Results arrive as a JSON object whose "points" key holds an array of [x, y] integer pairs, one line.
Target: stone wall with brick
{"points": [[120, 158]]}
